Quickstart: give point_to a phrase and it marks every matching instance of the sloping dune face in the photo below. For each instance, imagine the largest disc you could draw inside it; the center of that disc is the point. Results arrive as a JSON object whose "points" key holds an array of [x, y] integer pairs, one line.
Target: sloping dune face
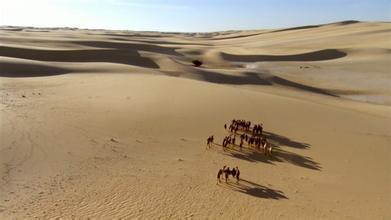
{"points": [[111, 124], [346, 59]]}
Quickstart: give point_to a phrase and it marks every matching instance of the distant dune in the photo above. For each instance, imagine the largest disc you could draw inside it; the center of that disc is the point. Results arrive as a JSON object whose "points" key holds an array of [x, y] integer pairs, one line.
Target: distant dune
{"points": [[305, 55], [113, 124]]}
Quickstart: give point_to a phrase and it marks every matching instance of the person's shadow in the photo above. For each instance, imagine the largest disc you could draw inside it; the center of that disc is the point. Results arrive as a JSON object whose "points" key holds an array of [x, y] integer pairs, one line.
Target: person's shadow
{"points": [[253, 189]]}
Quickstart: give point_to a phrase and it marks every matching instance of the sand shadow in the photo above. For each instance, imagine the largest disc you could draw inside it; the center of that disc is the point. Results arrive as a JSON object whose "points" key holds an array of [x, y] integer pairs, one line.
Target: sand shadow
{"points": [[161, 42], [254, 78], [316, 26], [107, 55], [254, 189], [295, 159], [232, 37], [347, 22], [130, 47], [157, 35], [297, 28], [283, 82], [248, 78], [280, 155], [29, 70], [327, 54], [279, 140]]}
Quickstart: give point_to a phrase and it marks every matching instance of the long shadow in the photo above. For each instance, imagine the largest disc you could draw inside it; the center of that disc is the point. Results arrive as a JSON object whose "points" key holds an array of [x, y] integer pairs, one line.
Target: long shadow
{"points": [[248, 78], [29, 70], [284, 82], [316, 26], [347, 22], [161, 42], [253, 78], [158, 35], [297, 28], [296, 159], [254, 189], [279, 140], [130, 47], [327, 54], [278, 155], [276, 139], [233, 37], [107, 55]]}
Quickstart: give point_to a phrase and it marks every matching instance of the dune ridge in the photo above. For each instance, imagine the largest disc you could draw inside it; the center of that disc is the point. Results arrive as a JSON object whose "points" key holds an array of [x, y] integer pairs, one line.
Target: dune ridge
{"points": [[145, 50]]}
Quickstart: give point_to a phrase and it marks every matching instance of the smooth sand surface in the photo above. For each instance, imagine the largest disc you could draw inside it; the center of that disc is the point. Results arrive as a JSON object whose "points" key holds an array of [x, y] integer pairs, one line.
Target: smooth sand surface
{"points": [[110, 124]]}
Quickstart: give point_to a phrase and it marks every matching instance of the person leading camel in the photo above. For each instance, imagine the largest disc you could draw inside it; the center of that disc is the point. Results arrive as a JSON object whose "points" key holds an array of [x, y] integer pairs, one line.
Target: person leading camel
{"points": [[227, 171], [237, 174]]}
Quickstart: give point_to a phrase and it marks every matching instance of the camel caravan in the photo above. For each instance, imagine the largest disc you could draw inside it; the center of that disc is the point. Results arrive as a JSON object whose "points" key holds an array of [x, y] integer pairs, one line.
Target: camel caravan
{"points": [[240, 133], [235, 173]]}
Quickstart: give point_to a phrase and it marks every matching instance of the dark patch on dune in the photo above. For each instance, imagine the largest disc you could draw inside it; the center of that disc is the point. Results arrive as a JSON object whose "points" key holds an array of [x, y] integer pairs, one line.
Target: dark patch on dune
{"points": [[130, 35], [327, 54], [174, 43], [347, 22], [36, 31], [247, 78], [161, 42], [297, 28], [253, 78], [8, 69], [109, 56], [316, 26], [234, 37], [11, 29], [129, 47], [287, 83]]}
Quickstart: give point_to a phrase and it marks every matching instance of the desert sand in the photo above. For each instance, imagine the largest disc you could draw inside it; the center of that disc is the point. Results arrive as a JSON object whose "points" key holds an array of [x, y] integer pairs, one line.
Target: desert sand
{"points": [[113, 124]]}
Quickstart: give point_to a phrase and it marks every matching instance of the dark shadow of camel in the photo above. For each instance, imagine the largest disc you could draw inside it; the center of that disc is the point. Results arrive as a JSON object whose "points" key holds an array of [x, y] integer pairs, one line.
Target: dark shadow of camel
{"points": [[254, 189], [276, 139], [279, 155], [279, 140]]}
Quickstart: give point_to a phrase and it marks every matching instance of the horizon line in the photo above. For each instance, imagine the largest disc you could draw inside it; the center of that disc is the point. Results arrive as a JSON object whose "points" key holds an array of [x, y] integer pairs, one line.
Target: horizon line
{"points": [[197, 32]]}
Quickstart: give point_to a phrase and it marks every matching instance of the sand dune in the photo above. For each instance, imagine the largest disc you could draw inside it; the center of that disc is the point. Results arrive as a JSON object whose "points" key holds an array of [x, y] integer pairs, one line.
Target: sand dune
{"points": [[111, 124], [110, 56], [320, 55], [14, 69]]}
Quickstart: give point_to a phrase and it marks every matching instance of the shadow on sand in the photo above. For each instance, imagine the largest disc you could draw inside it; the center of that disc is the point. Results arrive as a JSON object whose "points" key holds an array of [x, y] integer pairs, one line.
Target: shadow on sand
{"points": [[326, 54], [254, 78], [278, 155], [103, 55], [254, 189], [9, 69]]}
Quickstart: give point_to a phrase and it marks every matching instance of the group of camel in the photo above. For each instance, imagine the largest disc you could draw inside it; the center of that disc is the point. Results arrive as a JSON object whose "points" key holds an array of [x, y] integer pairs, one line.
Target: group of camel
{"points": [[253, 137], [235, 172]]}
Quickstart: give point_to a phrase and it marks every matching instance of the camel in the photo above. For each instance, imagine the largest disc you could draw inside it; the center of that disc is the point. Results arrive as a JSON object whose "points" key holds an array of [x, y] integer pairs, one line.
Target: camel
{"points": [[227, 172], [209, 141], [235, 172], [219, 175]]}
